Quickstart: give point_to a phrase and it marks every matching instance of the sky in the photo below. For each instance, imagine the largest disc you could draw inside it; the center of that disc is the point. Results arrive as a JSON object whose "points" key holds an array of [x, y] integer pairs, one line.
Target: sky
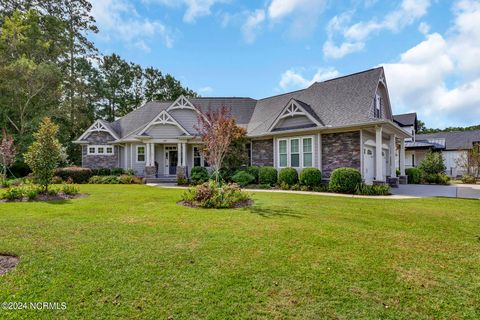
{"points": [[430, 50]]}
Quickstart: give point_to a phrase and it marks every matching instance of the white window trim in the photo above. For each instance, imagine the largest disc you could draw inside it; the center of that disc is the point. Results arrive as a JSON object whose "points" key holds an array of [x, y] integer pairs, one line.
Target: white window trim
{"points": [[96, 153], [300, 138], [144, 153]]}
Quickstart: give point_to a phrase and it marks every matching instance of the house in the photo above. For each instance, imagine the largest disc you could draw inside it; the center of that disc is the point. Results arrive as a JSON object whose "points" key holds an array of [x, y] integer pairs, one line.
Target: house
{"points": [[342, 122], [454, 146]]}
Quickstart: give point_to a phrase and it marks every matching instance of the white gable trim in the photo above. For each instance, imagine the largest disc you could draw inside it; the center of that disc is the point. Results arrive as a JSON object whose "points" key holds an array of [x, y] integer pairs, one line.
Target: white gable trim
{"points": [[182, 103], [293, 109], [163, 118], [97, 126]]}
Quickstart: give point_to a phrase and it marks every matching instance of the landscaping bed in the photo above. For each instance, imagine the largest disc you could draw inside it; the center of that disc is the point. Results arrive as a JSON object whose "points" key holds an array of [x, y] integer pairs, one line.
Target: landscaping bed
{"points": [[7, 263]]}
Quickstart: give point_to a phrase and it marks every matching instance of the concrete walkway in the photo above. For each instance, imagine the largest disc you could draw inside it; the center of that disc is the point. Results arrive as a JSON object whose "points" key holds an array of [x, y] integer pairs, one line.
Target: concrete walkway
{"points": [[450, 191]]}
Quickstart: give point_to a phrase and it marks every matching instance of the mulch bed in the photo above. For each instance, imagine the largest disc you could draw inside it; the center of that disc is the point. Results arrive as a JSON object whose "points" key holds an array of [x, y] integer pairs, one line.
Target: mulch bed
{"points": [[240, 204], [48, 197], [7, 263]]}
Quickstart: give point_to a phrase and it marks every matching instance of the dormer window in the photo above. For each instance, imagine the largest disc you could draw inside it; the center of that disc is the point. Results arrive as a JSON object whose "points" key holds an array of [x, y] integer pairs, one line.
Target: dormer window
{"points": [[377, 112]]}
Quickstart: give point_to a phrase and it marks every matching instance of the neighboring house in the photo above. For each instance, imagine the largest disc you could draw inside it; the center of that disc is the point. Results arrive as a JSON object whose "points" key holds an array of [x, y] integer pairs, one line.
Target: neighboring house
{"points": [[336, 123], [454, 146]]}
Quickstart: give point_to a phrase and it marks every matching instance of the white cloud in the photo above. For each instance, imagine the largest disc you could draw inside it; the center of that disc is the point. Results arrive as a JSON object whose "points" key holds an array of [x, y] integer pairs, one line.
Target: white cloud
{"points": [[424, 28], [295, 79], [194, 8], [354, 36], [252, 25], [440, 77], [119, 20], [205, 90]]}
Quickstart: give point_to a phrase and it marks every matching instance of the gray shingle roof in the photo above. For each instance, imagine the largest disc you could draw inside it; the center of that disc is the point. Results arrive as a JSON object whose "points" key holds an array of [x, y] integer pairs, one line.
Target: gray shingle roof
{"points": [[342, 101], [406, 119], [456, 140]]}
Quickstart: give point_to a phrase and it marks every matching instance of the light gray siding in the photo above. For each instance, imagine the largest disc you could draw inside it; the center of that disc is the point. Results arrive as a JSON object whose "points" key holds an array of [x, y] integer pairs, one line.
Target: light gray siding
{"points": [[296, 121], [186, 117], [162, 131]]}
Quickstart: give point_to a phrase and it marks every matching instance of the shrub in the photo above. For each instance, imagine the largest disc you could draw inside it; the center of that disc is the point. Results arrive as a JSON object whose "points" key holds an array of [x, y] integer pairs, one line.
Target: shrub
{"points": [[433, 163], [372, 190], [128, 179], [31, 192], [104, 180], [345, 180], [199, 175], [130, 172], [102, 172], [469, 179], [267, 175], [14, 193], [436, 178], [253, 170], [207, 195], [414, 175], [264, 186], [57, 180], [397, 171], [310, 177], [117, 171], [70, 189], [288, 175], [283, 186], [76, 174], [225, 174], [243, 178]]}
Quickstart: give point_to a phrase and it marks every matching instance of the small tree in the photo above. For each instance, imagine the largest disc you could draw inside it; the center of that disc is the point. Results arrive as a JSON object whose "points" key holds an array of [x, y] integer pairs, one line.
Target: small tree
{"points": [[7, 153], [217, 130], [43, 154], [433, 163]]}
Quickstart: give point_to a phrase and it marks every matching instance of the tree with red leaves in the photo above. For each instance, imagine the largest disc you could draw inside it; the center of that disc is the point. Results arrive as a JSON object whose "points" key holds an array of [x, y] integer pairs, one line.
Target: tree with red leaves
{"points": [[217, 129], [8, 152]]}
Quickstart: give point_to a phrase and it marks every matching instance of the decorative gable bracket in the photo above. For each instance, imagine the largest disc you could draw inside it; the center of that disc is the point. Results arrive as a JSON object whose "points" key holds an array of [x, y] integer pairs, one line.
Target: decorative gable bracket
{"points": [[293, 109], [182, 103], [163, 118], [97, 126]]}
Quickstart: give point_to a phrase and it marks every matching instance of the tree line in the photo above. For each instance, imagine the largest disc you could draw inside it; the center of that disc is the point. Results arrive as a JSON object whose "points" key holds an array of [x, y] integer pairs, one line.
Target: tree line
{"points": [[422, 128], [50, 67]]}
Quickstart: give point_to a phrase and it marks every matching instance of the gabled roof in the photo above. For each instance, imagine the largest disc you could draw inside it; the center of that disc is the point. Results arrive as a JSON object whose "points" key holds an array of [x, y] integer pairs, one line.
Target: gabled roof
{"points": [[405, 119], [296, 107], [455, 140]]}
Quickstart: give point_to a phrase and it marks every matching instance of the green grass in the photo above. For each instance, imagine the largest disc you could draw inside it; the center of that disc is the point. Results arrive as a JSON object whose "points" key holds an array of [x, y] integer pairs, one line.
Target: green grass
{"points": [[131, 252]]}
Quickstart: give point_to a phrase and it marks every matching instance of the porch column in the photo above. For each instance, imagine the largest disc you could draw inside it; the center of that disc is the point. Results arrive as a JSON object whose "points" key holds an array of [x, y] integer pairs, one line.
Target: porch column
{"points": [[393, 169], [147, 155], [378, 155], [152, 154], [179, 152], [402, 157], [184, 154]]}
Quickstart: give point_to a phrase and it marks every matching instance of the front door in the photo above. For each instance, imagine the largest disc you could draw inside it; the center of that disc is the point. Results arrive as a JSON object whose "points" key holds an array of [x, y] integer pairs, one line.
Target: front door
{"points": [[369, 164], [171, 160]]}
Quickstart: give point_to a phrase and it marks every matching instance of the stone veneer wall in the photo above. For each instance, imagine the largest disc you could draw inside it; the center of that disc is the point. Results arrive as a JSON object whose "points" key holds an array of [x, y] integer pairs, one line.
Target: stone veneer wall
{"points": [[100, 161], [262, 153], [340, 150]]}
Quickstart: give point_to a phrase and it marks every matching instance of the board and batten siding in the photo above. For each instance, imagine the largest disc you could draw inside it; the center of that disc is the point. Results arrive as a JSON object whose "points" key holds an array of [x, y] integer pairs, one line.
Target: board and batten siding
{"points": [[291, 122]]}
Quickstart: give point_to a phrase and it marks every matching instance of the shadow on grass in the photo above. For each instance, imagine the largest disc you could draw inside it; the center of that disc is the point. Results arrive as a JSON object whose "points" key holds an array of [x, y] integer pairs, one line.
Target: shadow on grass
{"points": [[270, 212]]}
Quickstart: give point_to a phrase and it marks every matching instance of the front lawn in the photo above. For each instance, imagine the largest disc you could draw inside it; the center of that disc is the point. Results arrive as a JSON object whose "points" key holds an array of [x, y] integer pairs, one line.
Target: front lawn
{"points": [[128, 251]]}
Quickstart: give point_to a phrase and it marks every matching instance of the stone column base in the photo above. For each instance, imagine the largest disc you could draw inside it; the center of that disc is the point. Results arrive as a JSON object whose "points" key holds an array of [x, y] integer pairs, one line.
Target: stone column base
{"points": [[378, 182], [403, 179], [182, 177], [392, 182], [150, 172]]}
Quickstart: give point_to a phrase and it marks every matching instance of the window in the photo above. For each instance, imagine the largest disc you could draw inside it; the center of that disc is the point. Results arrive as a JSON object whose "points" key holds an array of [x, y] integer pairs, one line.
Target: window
{"points": [[307, 152], [249, 153], [282, 148], [377, 112], [197, 157], [140, 153], [294, 153], [100, 150]]}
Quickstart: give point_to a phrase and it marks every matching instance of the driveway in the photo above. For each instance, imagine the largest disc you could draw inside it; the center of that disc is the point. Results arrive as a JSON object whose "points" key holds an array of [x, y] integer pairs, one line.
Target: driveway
{"points": [[451, 191]]}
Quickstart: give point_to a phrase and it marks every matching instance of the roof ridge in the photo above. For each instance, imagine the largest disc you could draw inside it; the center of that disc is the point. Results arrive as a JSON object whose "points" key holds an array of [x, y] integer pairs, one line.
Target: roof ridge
{"points": [[282, 94], [347, 75]]}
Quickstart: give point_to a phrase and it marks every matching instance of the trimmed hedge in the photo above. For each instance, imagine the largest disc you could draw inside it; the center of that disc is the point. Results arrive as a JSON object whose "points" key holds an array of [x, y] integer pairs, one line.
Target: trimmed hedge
{"points": [[254, 170], [75, 174], [199, 175], [414, 175], [267, 175], [345, 180], [243, 178], [310, 177], [288, 176]]}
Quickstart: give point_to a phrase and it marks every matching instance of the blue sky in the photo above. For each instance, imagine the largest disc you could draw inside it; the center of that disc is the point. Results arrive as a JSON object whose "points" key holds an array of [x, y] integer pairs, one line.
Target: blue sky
{"points": [[429, 48]]}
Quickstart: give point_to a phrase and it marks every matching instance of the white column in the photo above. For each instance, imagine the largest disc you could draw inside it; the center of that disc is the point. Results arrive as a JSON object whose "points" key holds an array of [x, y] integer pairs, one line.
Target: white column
{"points": [[125, 165], [393, 169], [147, 155], [402, 157], [152, 154], [378, 155], [179, 152], [184, 154]]}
